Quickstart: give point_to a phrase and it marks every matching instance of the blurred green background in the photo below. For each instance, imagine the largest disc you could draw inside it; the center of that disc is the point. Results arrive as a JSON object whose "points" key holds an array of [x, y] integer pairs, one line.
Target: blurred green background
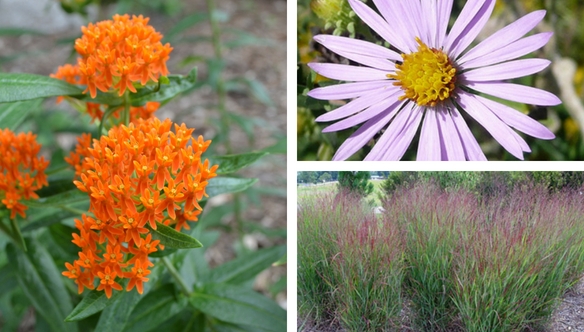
{"points": [[565, 78]]}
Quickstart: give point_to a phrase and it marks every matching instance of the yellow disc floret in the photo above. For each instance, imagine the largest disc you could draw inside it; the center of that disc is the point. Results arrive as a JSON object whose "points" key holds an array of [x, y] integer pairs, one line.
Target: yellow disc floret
{"points": [[427, 76]]}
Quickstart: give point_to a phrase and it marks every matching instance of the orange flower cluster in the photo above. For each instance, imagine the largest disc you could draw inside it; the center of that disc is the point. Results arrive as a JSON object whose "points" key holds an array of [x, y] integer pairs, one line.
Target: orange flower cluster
{"points": [[21, 170], [96, 111], [115, 53], [136, 176]]}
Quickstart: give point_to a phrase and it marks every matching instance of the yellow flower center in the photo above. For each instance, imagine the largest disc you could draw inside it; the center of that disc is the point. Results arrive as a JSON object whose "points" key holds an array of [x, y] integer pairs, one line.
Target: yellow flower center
{"points": [[130, 221], [427, 76]]}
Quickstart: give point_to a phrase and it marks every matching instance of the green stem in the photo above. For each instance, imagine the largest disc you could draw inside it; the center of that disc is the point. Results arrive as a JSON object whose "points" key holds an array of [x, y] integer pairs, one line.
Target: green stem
{"points": [[17, 235], [127, 107], [221, 94], [174, 273], [2, 226]]}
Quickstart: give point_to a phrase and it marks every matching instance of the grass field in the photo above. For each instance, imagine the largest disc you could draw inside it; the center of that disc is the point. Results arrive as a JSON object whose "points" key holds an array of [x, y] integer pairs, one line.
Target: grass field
{"points": [[456, 261], [305, 192]]}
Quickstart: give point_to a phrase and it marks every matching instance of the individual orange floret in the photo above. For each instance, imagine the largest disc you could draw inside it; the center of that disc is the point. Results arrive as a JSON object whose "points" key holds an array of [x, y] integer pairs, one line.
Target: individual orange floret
{"points": [[22, 172], [117, 53], [136, 176]]}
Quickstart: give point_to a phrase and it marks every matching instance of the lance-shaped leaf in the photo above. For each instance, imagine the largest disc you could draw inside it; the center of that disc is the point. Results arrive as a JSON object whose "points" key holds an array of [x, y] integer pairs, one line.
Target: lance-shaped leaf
{"points": [[155, 308], [172, 238], [65, 198], [225, 185], [115, 317], [246, 267], [12, 114], [233, 163], [42, 283], [239, 305], [17, 87], [94, 301], [176, 84]]}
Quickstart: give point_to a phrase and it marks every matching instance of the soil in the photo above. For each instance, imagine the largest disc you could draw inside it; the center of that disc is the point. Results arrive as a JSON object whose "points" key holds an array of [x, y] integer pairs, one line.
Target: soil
{"points": [[266, 63], [568, 317]]}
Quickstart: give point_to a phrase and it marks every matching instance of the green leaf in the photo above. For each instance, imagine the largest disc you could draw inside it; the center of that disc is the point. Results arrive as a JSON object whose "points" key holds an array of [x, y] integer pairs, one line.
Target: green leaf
{"points": [[184, 24], [42, 284], [224, 185], [238, 305], [172, 238], [17, 87], [246, 267], [61, 235], [19, 32], [280, 147], [57, 187], [61, 199], [235, 162], [13, 114], [93, 302], [177, 84], [115, 316], [43, 217], [163, 253], [155, 308], [7, 279]]}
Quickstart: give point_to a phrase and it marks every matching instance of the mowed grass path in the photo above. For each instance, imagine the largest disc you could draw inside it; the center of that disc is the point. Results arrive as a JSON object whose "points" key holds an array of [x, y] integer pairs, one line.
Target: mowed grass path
{"points": [[305, 192]]}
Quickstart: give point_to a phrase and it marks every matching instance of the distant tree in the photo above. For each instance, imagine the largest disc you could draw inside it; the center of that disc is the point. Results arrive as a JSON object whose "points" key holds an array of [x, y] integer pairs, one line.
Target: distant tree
{"points": [[306, 177], [324, 177], [356, 182]]}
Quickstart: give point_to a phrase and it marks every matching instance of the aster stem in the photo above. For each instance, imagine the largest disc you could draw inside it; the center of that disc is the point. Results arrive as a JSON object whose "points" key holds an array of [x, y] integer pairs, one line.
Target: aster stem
{"points": [[221, 94], [174, 273]]}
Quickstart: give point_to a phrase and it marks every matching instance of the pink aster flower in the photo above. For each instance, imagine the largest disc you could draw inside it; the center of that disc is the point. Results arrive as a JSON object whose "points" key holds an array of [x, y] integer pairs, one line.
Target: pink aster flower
{"points": [[432, 80]]}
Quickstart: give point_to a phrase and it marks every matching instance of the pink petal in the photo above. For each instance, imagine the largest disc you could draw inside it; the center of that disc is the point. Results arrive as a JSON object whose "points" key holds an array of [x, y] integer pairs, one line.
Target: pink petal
{"points": [[357, 105], [517, 120], [516, 92], [512, 51], [444, 9], [429, 144], [394, 129], [507, 70], [472, 30], [469, 11], [430, 13], [401, 143], [472, 149], [348, 90], [356, 46], [451, 146], [390, 103], [497, 128], [505, 36], [348, 73], [394, 142], [362, 135], [380, 26]]}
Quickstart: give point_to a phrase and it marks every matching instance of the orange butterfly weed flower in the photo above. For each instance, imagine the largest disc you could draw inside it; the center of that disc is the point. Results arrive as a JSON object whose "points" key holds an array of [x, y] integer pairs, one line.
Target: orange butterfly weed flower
{"points": [[117, 53], [136, 176], [22, 172]]}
